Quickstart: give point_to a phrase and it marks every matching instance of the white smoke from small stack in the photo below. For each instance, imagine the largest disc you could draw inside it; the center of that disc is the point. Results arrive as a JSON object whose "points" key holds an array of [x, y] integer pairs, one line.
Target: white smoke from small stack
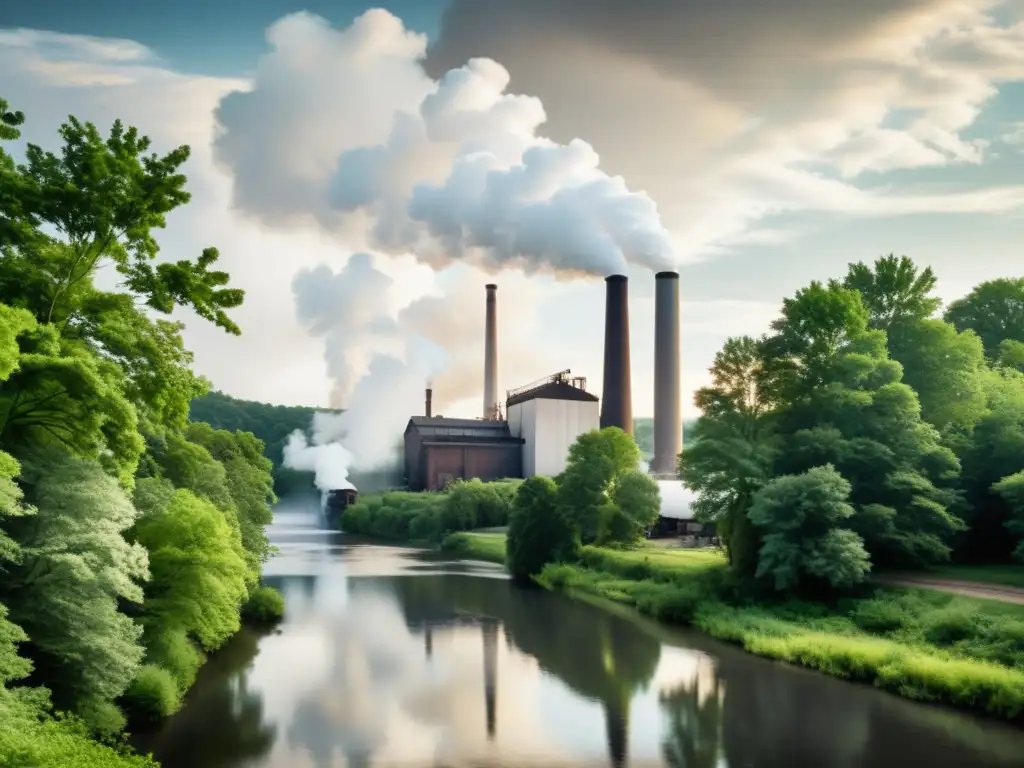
{"points": [[449, 170]]}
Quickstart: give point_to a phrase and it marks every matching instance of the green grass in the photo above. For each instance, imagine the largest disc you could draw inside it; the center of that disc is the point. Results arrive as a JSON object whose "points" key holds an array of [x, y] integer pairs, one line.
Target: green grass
{"points": [[929, 647], [475, 545], [1005, 575]]}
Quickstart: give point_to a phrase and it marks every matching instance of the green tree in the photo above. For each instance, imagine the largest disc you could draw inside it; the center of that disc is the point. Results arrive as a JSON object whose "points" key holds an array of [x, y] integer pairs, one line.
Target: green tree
{"points": [[104, 197], [804, 545], [843, 404], [994, 310], [733, 450], [595, 462], [1010, 354], [993, 450], [633, 506], [894, 291], [198, 575], [76, 567], [1011, 489], [944, 366], [538, 532], [250, 484]]}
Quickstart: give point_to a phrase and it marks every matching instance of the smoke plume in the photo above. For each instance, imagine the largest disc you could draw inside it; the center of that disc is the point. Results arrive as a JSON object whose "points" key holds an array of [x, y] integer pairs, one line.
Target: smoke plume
{"points": [[456, 172], [382, 352]]}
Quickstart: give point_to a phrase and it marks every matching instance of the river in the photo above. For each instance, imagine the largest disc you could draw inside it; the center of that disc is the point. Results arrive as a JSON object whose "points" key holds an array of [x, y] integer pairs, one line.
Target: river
{"points": [[397, 657]]}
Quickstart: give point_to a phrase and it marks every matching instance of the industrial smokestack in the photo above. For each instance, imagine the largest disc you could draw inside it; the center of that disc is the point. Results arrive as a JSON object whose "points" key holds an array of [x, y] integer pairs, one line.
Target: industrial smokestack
{"points": [[430, 397], [668, 417], [617, 394], [491, 354]]}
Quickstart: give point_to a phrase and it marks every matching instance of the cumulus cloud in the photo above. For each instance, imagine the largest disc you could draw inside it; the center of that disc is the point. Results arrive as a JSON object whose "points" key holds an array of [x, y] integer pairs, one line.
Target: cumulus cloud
{"points": [[749, 108], [449, 170]]}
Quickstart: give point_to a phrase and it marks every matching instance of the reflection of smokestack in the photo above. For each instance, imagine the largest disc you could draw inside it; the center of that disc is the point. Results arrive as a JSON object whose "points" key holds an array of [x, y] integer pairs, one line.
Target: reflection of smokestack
{"points": [[428, 637], [491, 354], [616, 723], [617, 394], [490, 634], [668, 430], [430, 397]]}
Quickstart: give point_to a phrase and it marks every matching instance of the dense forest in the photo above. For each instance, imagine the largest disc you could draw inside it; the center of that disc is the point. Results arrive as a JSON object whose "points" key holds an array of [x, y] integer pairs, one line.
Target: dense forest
{"points": [[131, 538]]}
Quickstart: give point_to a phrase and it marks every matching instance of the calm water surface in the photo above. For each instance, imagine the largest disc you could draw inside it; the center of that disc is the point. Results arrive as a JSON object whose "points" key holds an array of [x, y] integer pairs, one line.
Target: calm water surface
{"points": [[393, 657]]}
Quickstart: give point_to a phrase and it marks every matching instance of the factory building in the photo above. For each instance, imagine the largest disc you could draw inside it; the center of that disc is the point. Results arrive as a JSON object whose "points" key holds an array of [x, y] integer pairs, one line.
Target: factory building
{"points": [[439, 450], [549, 415]]}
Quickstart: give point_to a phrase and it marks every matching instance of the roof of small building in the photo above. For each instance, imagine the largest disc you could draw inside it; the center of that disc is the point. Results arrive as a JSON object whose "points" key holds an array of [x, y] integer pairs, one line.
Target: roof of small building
{"points": [[439, 428], [553, 390]]}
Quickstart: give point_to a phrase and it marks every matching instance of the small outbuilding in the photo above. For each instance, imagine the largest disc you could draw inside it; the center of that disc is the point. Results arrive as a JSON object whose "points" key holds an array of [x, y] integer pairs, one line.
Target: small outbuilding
{"points": [[439, 450]]}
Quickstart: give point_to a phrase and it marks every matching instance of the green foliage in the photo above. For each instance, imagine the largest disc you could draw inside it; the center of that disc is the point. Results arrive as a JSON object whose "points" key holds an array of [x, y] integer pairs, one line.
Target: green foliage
{"points": [[993, 451], [1011, 489], [264, 606], [539, 532], [197, 568], [152, 696], [734, 447], [75, 567], [633, 507], [994, 310], [800, 516], [105, 196], [95, 394], [1010, 354], [595, 462], [929, 646], [894, 292], [429, 516]]}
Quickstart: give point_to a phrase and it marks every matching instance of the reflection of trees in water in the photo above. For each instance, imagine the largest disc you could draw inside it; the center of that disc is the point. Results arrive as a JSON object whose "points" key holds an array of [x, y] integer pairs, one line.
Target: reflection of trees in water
{"points": [[222, 723], [774, 715], [598, 655], [693, 713]]}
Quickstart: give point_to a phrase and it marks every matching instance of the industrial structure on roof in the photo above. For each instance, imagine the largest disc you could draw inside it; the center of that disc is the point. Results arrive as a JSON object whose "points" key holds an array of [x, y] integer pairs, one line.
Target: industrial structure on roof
{"points": [[542, 419]]}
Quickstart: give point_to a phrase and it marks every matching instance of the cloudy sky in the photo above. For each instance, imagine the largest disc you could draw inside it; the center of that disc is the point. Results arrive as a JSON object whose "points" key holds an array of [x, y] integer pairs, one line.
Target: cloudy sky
{"points": [[760, 144]]}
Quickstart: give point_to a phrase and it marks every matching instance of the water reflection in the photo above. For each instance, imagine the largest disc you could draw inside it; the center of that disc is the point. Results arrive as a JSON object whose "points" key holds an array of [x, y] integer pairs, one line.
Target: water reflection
{"points": [[391, 657]]}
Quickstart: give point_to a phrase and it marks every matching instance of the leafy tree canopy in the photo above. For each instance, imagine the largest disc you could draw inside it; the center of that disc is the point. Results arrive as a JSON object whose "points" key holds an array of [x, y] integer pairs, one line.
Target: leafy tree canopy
{"points": [[994, 310]]}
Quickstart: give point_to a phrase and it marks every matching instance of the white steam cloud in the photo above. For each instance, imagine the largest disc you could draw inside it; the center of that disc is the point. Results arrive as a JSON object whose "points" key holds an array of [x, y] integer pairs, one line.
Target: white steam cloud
{"points": [[448, 170], [382, 353]]}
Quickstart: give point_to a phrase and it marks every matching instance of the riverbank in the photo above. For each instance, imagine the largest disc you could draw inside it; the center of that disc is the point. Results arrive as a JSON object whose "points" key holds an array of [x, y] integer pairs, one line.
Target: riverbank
{"points": [[927, 646]]}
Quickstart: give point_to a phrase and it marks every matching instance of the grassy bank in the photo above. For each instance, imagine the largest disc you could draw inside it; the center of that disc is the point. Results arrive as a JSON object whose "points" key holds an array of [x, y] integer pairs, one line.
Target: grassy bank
{"points": [[927, 646], [1002, 575]]}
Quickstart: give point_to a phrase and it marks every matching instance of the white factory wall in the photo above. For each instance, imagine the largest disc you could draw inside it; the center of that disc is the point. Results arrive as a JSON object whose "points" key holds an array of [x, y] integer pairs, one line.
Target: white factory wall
{"points": [[549, 428]]}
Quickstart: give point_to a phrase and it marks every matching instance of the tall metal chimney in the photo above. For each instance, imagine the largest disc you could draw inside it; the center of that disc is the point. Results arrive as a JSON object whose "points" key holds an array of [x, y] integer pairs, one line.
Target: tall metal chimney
{"points": [[430, 397], [491, 354], [617, 394], [668, 417]]}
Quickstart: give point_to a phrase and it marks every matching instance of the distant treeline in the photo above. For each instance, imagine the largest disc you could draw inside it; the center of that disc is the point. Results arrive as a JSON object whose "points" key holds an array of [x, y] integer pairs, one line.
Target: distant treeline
{"points": [[643, 432], [270, 423]]}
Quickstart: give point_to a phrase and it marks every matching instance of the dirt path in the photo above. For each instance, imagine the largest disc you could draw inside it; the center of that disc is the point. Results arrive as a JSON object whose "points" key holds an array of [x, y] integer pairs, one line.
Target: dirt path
{"points": [[1000, 592]]}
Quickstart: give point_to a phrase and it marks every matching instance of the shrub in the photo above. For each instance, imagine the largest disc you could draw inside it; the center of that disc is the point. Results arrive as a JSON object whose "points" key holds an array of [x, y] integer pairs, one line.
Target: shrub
{"points": [[172, 650], [264, 606], [538, 532], [152, 695]]}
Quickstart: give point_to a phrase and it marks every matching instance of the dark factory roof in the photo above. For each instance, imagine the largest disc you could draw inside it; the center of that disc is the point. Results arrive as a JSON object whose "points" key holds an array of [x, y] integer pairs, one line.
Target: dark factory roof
{"points": [[438, 429], [553, 390]]}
